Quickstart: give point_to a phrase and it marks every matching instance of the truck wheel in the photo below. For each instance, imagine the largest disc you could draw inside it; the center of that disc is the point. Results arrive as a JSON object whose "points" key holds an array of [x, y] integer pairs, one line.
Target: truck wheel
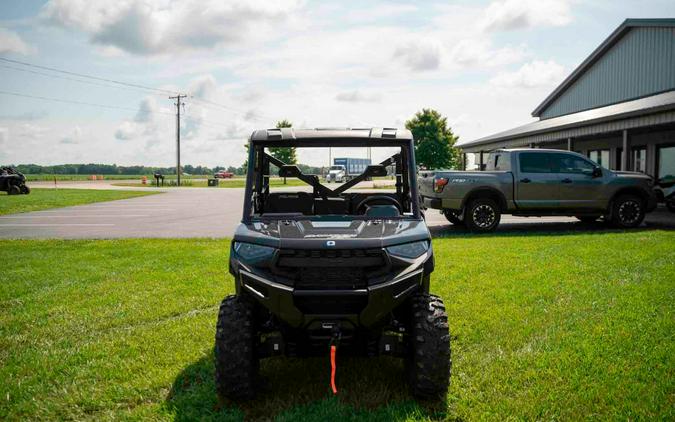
{"points": [[482, 215], [429, 364], [452, 217], [237, 361], [587, 219], [628, 211], [13, 190]]}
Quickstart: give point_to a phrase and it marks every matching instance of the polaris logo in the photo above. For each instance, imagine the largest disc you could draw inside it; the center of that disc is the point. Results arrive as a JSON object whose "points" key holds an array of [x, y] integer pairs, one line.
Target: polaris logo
{"points": [[330, 243]]}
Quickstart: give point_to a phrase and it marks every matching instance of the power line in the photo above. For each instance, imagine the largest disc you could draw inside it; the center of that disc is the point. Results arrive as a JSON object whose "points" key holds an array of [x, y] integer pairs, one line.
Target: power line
{"points": [[82, 75]]}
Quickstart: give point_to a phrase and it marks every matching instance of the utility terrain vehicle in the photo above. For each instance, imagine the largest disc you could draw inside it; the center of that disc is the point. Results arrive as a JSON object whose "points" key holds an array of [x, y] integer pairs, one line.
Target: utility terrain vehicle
{"points": [[13, 182], [320, 270]]}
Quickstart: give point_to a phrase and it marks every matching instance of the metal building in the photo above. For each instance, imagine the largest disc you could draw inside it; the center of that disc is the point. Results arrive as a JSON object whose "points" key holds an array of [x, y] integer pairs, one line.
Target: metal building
{"points": [[617, 107]]}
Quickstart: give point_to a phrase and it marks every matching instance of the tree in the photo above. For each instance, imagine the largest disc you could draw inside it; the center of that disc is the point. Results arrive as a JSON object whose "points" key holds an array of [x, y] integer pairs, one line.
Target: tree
{"points": [[286, 154], [434, 140]]}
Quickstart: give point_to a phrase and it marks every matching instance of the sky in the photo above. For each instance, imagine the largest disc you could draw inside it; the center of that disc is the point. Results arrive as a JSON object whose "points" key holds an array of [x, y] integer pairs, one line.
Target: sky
{"points": [[485, 65]]}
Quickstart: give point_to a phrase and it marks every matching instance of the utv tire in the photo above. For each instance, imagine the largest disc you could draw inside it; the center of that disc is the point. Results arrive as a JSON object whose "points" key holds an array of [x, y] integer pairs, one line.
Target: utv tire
{"points": [[13, 190], [482, 215], [428, 366], [25, 190], [237, 362], [587, 219], [452, 217], [628, 211]]}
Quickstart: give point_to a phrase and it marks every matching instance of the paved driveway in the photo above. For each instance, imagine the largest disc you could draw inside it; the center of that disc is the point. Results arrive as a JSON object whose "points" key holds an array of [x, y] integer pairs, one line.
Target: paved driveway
{"points": [[203, 212]]}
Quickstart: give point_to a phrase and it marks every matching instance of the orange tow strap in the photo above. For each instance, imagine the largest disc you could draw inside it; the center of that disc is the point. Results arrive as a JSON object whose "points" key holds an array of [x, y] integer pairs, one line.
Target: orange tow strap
{"points": [[332, 368]]}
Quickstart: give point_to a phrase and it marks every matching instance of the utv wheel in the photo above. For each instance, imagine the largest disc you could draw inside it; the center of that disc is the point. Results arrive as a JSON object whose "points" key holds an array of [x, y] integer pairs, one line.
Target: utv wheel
{"points": [[628, 211], [428, 365], [587, 219], [482, 215], [237, 361], [453, 217], [13, 190], [25, 190]]}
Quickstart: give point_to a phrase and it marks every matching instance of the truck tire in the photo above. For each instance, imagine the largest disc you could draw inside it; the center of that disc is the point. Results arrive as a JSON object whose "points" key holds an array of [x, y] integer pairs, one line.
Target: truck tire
{"points": [[482, 215], [587, 219], [237, 362], [452, 217], [429, 363], [628, 211], [13, 190]]}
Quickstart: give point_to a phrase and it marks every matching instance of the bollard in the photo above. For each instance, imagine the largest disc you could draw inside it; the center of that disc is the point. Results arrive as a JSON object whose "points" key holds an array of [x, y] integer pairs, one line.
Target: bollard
{"points": [[144, 180]]}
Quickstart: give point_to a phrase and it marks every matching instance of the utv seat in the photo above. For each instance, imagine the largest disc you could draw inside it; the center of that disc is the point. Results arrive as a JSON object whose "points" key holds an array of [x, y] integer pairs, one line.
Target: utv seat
{"points": [[289, 202], [326, 206], [382, 211]]}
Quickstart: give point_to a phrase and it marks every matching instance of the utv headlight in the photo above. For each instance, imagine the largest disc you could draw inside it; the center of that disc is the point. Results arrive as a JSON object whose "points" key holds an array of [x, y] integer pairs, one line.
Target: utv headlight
{"points": [[409, 250], [252, 252]]}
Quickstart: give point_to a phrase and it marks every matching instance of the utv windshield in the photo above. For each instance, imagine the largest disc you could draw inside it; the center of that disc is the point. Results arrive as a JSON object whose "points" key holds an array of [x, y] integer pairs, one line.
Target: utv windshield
{"points": [[380, 187]]}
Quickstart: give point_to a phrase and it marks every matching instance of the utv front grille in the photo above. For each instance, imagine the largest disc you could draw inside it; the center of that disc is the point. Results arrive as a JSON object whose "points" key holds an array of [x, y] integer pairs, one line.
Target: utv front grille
{"points": [[331, 305], [332, 269]]}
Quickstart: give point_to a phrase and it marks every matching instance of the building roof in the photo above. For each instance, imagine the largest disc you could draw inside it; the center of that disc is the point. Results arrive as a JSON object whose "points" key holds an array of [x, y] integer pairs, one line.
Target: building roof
{"points": [[651, 104], [606, 45], [284, 134]]}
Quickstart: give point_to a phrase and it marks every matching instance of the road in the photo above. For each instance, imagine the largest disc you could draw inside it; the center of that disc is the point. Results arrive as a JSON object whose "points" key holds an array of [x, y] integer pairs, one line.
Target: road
{"points": [[203, 212]]}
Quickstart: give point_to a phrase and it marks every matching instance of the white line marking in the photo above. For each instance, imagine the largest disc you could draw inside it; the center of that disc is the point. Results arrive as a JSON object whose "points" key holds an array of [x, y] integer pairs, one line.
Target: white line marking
{"points": [[53, 225]]}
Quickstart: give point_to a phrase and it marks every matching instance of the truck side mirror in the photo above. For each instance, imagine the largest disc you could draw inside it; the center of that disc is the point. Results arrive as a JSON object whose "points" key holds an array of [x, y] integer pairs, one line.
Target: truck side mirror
{"points": [[597, 172]]}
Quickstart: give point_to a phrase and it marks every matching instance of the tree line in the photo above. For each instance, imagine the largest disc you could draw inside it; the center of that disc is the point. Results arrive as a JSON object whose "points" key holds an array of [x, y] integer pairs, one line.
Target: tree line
{"points": [[434, 149]]}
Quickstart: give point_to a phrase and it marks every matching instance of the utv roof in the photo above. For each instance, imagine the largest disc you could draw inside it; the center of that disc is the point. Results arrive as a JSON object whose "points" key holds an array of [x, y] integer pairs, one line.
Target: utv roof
{"points": [[286, 134]]}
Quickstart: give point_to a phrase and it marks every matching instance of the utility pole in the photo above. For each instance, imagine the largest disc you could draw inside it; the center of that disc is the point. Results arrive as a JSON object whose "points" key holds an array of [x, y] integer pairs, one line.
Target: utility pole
{"points": [[178, 104]]}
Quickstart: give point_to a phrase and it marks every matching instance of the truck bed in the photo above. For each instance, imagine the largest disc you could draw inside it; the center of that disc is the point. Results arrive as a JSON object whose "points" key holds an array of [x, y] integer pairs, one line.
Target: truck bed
{"points": [[460, 184]]}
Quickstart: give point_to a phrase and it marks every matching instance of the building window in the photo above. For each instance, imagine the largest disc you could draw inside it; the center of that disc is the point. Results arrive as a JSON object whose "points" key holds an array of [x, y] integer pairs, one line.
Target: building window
{"points": [[600, 156], [639, 159], [666, 162]]}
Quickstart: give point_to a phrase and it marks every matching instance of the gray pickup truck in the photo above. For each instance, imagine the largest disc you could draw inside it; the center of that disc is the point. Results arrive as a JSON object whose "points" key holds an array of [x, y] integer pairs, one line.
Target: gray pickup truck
{"points": [[537, 182]]}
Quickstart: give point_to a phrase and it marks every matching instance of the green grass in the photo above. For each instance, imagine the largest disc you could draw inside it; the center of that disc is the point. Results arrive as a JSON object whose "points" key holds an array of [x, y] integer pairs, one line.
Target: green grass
{"points": [[42, 199], [544, 326]]}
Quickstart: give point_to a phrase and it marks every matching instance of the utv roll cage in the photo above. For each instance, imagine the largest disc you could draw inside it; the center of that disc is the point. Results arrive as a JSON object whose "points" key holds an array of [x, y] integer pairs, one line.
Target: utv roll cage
{"points": [[259, 203]]}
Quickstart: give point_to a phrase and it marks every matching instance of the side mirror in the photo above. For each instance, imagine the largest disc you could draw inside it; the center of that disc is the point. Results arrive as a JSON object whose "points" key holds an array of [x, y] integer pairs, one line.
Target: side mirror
{"points": [[597, 172], [376, 170]]}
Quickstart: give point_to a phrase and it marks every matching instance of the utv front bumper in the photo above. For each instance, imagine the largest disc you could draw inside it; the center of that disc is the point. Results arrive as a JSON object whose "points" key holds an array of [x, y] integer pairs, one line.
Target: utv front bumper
{"points": [[312, 308]]}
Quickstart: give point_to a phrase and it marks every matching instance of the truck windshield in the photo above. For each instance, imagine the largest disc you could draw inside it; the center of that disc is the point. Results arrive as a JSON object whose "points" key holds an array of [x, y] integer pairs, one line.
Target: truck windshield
{"points": [[373, 183]]}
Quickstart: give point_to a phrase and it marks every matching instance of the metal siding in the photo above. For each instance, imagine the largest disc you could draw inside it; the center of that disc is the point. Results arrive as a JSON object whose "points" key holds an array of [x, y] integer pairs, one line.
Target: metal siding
{"points": [[640, 64]]}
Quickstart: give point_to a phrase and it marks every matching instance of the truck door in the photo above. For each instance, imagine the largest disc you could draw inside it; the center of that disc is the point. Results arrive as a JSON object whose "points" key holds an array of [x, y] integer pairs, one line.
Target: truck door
{"points": [[537, 186], [579, 188]]}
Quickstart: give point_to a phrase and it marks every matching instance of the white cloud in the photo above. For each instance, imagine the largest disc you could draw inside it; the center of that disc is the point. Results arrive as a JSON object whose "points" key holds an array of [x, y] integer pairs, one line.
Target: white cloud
{"points": [[420, 55], [165, 26], [533, 74], [126, 131], [11, 42], [146, 110], [480, 53], [203, 86], [517, 14], [357, 96], [74, 137]]}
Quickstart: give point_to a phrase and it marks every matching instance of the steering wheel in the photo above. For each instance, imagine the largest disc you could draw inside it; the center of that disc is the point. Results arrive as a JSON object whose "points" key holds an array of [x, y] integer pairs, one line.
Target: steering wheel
{"points": [[373, 200]]}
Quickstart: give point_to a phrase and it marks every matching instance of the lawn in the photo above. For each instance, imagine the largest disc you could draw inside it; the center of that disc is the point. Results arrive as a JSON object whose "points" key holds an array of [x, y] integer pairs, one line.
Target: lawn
{"points": [[42, 199], [544, 326]]}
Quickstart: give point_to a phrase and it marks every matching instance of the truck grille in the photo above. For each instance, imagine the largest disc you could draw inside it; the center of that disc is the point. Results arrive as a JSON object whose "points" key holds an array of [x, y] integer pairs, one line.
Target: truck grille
{"points": [[330, 269]]}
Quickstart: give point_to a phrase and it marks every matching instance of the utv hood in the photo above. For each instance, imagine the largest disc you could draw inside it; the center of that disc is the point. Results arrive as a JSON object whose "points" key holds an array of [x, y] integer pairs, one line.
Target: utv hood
{"points": [[351, 234]]}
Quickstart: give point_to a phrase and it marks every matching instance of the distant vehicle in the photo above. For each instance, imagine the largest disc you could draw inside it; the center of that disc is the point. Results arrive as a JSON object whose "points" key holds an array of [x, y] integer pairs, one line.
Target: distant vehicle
{"points": [[13, 182], [345, 169], [538, 182], [223, 175]]}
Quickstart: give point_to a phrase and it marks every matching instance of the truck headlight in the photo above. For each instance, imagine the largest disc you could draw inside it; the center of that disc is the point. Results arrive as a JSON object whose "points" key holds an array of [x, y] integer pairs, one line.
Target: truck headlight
{"points": [[409, 250], [252, 252]]}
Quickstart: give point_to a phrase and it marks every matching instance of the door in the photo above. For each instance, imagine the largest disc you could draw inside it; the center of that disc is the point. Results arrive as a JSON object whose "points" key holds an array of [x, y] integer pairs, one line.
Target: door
{"points": [[579, 189], [537, 186]]}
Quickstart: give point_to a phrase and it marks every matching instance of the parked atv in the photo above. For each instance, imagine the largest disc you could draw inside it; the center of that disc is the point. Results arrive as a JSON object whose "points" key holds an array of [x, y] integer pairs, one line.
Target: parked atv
{"points": [[322, 271], [13, 182], [665, 192]]}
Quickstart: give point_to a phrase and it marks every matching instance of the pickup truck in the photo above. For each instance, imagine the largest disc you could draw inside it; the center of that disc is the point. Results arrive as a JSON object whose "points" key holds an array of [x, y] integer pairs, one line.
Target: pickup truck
{"points": [[537, 182]]}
